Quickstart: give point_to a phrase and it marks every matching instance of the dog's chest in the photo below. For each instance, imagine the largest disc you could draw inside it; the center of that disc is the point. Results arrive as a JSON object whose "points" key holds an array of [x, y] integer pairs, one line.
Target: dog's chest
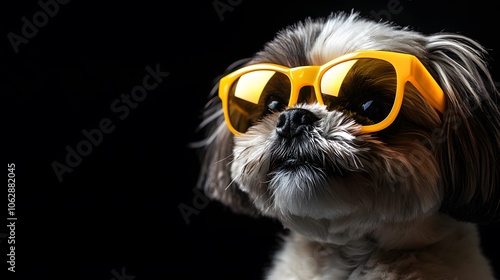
{"points": [[304, 259]]}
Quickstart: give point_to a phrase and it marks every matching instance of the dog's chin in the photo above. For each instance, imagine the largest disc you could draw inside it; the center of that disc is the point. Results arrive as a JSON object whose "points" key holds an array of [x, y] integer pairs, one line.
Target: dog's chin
{"points": [[331, 175]]}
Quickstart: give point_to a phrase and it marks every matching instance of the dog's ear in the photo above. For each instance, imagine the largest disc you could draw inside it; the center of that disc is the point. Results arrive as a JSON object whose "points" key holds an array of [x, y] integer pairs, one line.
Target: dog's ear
{"points": [[216, 151], [469, 139]]}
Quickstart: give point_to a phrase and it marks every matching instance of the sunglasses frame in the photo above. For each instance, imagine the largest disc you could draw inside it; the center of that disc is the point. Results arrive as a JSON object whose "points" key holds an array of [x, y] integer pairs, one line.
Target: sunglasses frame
{"points": [[408, 69]]}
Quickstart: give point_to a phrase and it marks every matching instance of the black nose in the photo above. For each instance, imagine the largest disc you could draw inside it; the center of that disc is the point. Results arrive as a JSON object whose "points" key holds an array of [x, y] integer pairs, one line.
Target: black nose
{"points": [[294, 121]]}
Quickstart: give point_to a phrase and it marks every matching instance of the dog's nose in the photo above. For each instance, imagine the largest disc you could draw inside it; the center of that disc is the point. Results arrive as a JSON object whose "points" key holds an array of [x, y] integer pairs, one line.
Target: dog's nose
{"points": [[292, 122]]}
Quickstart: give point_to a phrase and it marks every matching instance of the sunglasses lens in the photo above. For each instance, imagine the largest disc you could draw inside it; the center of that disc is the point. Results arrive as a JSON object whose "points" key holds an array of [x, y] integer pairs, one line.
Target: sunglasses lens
{"points": [[366, 88], [256, 94]]}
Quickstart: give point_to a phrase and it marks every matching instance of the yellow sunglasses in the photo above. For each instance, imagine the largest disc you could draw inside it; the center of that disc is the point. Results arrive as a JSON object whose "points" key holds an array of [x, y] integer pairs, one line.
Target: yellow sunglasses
{"points": [[355, 82]]}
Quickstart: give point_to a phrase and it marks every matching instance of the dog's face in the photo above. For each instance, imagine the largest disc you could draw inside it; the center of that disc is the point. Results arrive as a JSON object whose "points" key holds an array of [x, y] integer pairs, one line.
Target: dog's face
{"points": [[310, 164]]}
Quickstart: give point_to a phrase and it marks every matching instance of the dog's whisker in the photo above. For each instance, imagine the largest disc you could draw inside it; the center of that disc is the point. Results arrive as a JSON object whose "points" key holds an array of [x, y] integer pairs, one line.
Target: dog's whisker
{"points": [[232, 181]]}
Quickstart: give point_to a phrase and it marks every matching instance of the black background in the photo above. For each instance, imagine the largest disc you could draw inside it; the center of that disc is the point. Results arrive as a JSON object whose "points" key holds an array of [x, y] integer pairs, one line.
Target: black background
{"points": [[116, 215]]}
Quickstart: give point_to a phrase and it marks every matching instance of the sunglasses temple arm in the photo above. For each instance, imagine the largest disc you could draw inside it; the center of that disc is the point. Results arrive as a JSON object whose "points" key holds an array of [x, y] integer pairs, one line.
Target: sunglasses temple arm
{"points": [[428, 86]]}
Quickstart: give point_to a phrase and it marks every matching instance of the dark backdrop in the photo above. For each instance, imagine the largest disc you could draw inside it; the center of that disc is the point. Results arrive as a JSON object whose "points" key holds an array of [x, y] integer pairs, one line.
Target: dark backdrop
{"points": [[101, 176]]}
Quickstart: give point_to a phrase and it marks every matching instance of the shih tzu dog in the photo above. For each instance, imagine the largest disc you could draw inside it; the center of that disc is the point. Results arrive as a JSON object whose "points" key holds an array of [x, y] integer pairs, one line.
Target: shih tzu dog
{"points": [[376, 147]]}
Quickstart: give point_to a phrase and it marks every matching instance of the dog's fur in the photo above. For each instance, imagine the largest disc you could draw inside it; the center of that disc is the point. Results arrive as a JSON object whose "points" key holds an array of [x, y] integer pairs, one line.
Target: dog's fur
{"points": [[401, 203]]}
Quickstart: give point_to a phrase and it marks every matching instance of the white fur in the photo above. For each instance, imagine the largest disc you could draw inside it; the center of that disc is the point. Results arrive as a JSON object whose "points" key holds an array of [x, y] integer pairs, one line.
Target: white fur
{"points": [[456, 256]]}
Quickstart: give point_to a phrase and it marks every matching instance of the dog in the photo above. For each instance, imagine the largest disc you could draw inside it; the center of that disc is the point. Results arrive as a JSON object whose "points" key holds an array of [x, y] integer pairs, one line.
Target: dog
{"points": [[374, 145]]}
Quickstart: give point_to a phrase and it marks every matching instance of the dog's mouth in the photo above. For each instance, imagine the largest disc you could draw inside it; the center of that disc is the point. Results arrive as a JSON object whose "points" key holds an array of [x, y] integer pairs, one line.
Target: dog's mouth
{"points": [[294, 162], [296, 165], [306, 160]]}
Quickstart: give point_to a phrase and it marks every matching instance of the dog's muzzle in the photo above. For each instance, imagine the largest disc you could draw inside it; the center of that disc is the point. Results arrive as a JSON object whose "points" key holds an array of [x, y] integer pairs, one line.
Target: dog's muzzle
{"points": [[294, 122]]}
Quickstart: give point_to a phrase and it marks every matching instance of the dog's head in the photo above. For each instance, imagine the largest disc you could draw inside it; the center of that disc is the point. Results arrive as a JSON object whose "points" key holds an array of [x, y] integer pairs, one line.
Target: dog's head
{"points": [[384, 124]]}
